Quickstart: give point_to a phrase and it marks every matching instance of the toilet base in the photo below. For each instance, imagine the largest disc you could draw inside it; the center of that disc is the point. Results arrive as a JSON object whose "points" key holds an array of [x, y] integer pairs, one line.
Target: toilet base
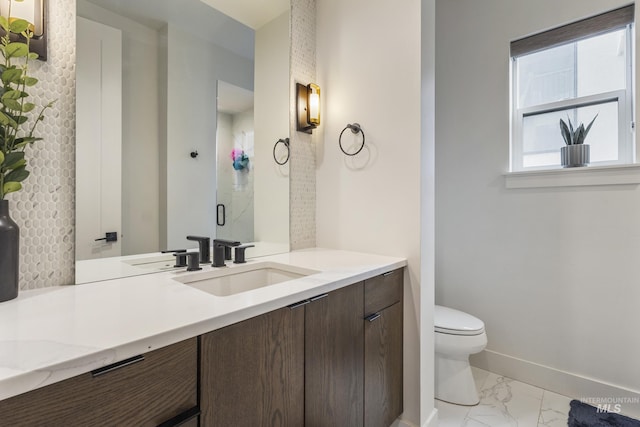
{"points": [[454, 380]]}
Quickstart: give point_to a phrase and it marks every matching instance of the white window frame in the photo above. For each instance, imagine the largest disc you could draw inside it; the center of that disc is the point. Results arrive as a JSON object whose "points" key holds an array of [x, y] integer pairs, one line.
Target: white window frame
{"points": [[625, 99]]}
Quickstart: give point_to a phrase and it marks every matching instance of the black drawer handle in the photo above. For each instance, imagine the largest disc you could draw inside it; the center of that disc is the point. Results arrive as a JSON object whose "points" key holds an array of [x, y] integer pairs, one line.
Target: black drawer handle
{"points": [[299, 304], [373, 317], [115, 366], [316, 298], [182, 418], [388, 273]]}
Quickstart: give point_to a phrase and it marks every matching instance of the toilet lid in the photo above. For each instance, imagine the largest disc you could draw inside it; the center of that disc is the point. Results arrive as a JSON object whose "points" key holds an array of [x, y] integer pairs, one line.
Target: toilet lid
{"points": [[456, 322]]}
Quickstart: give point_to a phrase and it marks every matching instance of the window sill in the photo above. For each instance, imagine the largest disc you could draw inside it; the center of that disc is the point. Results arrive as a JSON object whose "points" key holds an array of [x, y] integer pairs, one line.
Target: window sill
{"points": [[575, 177]]}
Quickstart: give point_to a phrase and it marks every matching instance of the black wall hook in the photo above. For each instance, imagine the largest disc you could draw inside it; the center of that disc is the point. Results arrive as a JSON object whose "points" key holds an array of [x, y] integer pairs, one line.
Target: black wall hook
{"points": [[194, 154]]}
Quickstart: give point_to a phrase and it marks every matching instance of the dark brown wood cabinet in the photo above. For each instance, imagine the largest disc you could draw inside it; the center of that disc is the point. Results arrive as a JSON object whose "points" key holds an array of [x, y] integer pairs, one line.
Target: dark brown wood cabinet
{"points": [[148, 391], [252, 372], [383, 365], [334, 345], [331, 360]]}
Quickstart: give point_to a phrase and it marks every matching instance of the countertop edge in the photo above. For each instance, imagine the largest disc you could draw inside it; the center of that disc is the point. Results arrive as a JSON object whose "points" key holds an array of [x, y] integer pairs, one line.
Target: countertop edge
{"points": [[23, 382]]}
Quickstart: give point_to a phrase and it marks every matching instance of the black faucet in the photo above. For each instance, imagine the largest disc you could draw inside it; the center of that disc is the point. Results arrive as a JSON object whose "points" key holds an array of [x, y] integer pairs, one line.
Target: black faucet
{"points": [[180, 254], [191, 258], [239, 257], [227, 245], [203, 243]]}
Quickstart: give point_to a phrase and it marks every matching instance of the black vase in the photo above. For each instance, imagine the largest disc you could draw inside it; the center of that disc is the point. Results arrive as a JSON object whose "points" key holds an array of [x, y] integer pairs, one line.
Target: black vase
{"points": [[9, 254]]}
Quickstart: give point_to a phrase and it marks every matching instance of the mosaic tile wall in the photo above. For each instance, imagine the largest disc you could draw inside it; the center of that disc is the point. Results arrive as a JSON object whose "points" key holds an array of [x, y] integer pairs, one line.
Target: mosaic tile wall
{"points": [[302, 185], [44, 209]]}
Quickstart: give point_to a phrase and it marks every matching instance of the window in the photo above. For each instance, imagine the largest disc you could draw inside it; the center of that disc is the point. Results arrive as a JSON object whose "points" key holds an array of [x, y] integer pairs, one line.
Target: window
{"points": [[575, 71]]}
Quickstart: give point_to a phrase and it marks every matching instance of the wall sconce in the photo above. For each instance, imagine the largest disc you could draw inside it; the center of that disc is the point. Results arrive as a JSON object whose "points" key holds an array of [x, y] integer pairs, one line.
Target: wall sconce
{"points": [[33, 11], [308, 106]]}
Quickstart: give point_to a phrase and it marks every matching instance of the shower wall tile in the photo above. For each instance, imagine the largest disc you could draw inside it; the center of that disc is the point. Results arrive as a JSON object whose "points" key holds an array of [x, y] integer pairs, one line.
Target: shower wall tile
{"points": [[44, 209], [303, 160]]}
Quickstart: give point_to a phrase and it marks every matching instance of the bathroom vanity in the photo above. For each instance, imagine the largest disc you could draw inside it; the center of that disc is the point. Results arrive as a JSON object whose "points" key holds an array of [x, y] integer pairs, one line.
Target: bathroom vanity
{"points": [[321, 349]]}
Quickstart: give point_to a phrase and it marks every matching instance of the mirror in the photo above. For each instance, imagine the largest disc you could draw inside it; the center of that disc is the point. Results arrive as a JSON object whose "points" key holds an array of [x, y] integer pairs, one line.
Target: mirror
{"points": [[150, 164]]}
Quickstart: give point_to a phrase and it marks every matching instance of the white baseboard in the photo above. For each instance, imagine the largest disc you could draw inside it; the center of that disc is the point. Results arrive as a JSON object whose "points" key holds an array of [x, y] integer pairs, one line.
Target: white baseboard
{"points": [[561, 382]]}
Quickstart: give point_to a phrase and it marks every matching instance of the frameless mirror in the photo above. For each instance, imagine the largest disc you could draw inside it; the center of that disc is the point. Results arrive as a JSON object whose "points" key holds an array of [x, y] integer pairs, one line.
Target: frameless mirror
{"points": [[154, 145]]}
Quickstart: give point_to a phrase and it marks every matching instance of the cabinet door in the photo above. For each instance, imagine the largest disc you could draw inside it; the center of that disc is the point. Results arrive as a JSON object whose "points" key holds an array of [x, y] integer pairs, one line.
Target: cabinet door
{"points": [[334, 359], [147, 392], [253, 372], [383, 367]]}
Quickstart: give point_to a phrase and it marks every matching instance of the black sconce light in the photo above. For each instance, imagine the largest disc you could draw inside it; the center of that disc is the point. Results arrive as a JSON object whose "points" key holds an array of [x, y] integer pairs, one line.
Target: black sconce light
{"points": [[34, 12], [308, 106]]}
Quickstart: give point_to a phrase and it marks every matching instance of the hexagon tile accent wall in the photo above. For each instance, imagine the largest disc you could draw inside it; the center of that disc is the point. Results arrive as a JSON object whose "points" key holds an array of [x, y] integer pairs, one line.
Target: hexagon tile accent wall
{"points": [[302, 181], [44, 209]]}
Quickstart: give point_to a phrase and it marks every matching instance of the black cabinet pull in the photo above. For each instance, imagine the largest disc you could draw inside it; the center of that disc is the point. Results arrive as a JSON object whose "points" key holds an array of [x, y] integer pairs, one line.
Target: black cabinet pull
{"points": [[316, 298], [115, 366], [181, 418], [299, 304], [373, 317], [388, 273]]}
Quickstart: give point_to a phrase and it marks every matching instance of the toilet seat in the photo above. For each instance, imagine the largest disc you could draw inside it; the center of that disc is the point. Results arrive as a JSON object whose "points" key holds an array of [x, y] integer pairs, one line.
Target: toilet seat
{"points": [[454, 322]]}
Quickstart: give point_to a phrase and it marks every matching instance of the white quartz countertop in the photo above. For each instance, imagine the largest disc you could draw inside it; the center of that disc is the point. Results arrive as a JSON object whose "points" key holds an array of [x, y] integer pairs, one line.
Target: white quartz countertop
{"points": [[52, 334]]}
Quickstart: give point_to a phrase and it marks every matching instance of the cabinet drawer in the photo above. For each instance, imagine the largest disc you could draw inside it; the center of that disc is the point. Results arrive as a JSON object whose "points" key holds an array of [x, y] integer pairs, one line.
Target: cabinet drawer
{"points": [[382, 291], [146, 392]]}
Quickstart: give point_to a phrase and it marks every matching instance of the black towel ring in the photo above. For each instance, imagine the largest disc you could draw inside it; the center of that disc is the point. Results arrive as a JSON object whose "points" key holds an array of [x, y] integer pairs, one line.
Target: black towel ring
{"points": [[355, 128], [286, 144]]}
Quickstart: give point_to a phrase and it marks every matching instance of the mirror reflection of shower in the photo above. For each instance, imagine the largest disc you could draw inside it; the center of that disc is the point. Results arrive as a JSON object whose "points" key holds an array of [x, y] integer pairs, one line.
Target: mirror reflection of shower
{"points": [[235, 163]]}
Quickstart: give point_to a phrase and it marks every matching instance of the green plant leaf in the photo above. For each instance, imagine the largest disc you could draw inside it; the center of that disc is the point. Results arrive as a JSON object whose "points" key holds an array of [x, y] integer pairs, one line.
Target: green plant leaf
{"points": [[30, 81], [21, 142], [1, 157], [4, 119], [12, 94], [10, 187], [564, 130], [12, 104], [578, 137], [4, 23], [12, 75], [18, 26], [586, 132], [27, 107], [33, 55], [13, 158], [17, 175], [16, 50]]}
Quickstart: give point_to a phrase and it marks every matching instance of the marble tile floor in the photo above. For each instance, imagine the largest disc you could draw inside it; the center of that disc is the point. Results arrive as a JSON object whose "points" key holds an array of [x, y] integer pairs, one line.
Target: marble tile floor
{"points": [[506, 403]]}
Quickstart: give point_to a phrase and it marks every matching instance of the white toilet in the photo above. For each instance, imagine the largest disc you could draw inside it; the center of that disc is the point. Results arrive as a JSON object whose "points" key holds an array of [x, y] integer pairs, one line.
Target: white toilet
{"points": [[457, 335]]}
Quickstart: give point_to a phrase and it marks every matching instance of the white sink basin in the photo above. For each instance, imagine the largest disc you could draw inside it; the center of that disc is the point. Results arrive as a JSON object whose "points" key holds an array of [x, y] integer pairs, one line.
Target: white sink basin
{"points": [[234, 280]]}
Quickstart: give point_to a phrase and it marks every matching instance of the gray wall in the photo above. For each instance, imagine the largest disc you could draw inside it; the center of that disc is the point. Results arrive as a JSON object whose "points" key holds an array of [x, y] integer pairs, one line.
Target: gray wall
{"points": [[551, 271]]}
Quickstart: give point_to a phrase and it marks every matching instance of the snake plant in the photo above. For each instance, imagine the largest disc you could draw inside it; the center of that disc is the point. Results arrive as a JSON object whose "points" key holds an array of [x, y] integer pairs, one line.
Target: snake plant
{"points": [[575, 136]]}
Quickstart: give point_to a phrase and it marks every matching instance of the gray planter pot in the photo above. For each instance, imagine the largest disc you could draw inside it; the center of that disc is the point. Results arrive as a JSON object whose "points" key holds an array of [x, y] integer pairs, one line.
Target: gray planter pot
{"points": [[572, 156]]}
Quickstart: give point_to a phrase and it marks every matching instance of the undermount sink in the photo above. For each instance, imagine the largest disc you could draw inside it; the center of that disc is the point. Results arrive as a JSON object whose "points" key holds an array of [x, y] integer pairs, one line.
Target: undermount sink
{"points": [[237, 279]]}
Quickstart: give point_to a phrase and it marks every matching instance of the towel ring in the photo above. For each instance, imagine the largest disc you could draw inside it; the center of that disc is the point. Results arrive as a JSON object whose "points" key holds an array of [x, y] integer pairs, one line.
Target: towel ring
{"points": [[286, 144], [355, 128]]}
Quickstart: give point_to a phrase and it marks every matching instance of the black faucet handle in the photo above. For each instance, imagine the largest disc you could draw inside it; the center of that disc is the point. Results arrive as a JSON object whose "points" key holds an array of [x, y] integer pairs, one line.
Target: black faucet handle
{"points": [[228, 244], [181, 258], [239, 257], [193, 260]]}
